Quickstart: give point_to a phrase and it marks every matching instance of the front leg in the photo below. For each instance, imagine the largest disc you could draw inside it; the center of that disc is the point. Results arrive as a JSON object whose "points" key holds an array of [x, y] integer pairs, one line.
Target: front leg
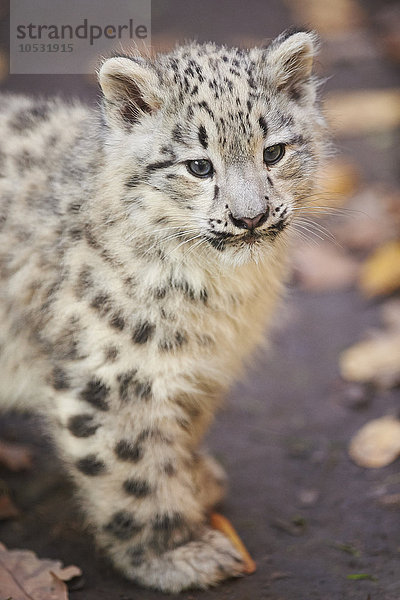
{"points": [[138, 478]]}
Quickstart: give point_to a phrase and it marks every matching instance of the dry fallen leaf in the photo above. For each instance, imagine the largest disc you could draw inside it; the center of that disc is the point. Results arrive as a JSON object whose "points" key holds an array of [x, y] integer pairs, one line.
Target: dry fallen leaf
{"points": [[16, 457], [365, 111], [377, 444], [380, 273], [374, 361], [324, 267], [219, 522], [23, 576]]}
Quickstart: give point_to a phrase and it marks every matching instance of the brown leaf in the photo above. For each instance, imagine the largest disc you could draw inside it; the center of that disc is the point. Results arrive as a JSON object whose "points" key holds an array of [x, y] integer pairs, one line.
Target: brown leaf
{"points": [[377, 443], [324, 267], [23, 576], [16, 457], [380, 273], [365, 111]]}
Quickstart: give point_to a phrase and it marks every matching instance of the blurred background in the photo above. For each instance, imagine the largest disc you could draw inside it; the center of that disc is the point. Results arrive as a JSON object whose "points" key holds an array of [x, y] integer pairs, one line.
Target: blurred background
{"points": [[315, 499]]}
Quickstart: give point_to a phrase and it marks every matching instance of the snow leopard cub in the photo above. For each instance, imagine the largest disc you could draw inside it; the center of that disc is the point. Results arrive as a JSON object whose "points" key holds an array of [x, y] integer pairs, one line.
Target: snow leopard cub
{"points": [[142, 251]]}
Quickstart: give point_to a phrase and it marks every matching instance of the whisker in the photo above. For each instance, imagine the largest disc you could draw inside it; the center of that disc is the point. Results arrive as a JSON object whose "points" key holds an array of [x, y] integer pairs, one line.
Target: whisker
{"points": [[322, 230], [310, 231], [304, 237], [330, 210], [170, 238], [182, 243], [195, 246]]}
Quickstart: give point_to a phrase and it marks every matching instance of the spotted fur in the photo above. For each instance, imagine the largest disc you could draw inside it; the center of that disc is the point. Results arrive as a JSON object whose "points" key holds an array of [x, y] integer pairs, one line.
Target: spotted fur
{"points": [[132, 290]]}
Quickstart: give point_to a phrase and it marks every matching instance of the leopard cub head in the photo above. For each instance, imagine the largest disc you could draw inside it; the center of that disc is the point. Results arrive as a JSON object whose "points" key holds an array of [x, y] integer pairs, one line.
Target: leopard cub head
{"points": [[217, 147]]}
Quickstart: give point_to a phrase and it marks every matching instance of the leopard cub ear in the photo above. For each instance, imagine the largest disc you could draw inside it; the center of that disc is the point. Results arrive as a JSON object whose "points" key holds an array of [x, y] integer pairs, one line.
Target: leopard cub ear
{"points": [[131, 89], [289, 62]]}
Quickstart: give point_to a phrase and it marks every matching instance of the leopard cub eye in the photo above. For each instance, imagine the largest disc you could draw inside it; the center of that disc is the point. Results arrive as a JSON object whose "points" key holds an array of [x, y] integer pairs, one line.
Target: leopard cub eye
{"points": [[200, 167], [273, 154]]}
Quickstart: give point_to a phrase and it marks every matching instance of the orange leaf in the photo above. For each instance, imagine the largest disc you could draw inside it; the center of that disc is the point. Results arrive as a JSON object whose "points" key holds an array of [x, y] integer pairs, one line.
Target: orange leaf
{"points": [[381, 271], [222, 524]]}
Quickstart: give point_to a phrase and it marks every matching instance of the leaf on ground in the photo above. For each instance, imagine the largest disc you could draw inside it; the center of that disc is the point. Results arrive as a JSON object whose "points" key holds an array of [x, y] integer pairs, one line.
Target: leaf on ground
{"points": [[16, 457], [376, 360], [24, 576], [361, 112], [222, 524], [380, 273], [377, 443], [360, 576], [324, 267], [373, 361]]}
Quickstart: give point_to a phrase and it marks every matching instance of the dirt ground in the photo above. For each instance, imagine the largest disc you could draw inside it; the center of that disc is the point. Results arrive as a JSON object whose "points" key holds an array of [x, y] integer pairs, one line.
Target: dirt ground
{"points": [[309, 516]]}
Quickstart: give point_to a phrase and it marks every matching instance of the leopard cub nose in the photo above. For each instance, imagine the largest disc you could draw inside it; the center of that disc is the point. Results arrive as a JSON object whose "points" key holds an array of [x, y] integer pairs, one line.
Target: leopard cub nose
{"points": [[250, 223]]}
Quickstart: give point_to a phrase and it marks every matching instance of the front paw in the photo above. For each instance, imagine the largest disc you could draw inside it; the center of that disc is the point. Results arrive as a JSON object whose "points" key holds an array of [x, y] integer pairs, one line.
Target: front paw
{"points": [[200, 563]]}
